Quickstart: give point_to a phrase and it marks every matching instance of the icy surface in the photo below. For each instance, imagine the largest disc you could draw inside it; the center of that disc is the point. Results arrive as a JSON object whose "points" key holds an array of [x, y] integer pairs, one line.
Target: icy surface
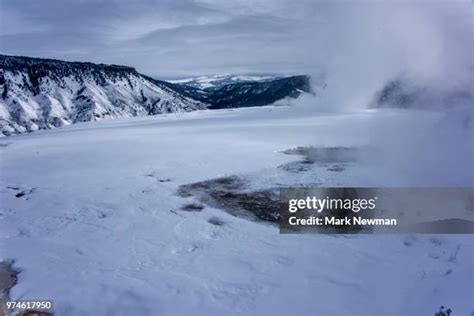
{"points": [[91, 216]]}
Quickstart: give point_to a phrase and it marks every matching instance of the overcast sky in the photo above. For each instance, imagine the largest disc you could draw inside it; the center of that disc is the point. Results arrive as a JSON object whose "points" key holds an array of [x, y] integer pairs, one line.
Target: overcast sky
{"points": [[192, 37]]}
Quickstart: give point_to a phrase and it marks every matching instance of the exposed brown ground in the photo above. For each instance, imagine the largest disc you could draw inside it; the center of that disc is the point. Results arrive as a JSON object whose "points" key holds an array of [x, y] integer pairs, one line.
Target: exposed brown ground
{"points": [[8, 277]]}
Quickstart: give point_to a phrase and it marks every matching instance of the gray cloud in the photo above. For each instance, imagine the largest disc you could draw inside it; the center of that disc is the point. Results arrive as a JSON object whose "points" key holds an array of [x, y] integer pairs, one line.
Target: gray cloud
{"points": [[185, 37]]}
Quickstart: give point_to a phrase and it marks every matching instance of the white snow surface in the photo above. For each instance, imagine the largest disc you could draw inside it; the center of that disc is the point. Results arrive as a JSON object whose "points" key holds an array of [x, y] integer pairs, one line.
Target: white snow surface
{"points": [[96, 233]]}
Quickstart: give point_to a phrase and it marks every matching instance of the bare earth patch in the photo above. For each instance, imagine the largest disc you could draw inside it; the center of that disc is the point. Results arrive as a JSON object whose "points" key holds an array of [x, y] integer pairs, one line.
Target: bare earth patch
{"points": [[227, 193], [233, 195], [8, 278]]}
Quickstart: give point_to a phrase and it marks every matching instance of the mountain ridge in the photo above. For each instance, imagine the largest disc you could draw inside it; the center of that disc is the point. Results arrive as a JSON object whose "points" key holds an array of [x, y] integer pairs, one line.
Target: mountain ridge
{"points": [[39, 93], [219, 80]]}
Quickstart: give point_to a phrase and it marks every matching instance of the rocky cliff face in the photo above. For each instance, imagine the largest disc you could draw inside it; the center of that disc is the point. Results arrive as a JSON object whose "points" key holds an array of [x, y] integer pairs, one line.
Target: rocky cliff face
{"points": [[43, 93]]}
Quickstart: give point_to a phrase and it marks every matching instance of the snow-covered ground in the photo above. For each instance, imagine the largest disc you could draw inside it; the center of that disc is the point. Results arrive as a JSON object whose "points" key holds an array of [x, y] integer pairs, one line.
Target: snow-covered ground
{"points": [[100, 234]]}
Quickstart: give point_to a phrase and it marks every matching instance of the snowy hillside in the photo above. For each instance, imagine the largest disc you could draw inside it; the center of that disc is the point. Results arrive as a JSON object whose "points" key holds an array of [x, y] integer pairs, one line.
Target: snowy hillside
{"points": [[249, 93], [41, 94]]}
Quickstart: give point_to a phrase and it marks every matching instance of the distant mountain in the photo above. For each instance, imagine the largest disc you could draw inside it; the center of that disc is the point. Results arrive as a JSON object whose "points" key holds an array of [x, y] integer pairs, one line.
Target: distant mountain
{"points": [[248, 93], [405, 94], [44, 93], [217, 81]]}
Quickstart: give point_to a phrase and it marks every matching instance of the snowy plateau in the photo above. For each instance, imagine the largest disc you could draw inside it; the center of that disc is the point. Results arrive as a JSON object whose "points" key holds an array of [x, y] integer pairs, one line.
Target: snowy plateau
{"points": [[91, 216]]}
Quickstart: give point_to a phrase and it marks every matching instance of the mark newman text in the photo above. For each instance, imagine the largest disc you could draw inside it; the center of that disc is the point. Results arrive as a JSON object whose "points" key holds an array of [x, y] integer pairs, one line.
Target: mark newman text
{"points": [[346, 221]]}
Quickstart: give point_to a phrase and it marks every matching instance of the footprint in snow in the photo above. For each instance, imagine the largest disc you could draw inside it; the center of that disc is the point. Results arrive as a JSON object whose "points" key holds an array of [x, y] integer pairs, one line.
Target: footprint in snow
{"points": [[216, 221], [192, 207], [161, 180], [19, 192]]}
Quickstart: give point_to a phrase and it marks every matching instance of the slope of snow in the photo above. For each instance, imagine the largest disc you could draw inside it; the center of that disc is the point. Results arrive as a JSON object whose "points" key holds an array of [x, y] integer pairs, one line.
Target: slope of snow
{"points": [[62, 93], [97, 233]]}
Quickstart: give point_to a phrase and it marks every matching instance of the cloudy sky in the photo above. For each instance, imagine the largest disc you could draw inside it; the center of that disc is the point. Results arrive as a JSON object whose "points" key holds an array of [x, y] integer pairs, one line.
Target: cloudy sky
{"points": [[174, 38]]}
